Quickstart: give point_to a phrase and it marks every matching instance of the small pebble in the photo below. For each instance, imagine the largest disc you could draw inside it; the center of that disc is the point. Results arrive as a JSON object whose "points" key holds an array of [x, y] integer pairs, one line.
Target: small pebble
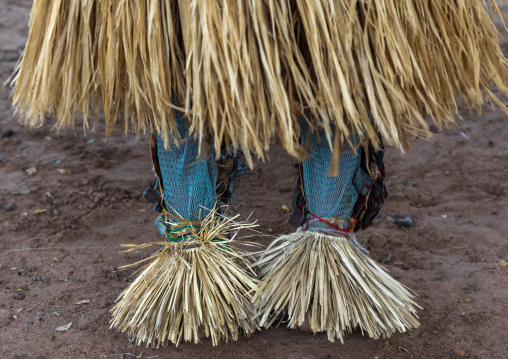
{"points": [[10, 207], [7, 133], [19, 296], [402, 221], [31, 171]]}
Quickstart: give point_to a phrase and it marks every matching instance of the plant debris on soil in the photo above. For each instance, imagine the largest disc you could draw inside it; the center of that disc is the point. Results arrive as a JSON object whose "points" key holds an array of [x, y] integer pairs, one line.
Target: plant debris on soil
{"points": [[61, 230]]}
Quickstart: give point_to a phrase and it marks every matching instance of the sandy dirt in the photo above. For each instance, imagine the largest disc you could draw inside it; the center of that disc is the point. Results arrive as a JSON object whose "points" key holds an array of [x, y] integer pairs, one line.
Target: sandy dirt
{"points": [[61, 228]]}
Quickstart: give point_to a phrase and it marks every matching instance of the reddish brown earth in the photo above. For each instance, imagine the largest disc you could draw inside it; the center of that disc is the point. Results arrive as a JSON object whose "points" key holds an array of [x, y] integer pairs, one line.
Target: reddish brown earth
{"points": [[89, 190]]}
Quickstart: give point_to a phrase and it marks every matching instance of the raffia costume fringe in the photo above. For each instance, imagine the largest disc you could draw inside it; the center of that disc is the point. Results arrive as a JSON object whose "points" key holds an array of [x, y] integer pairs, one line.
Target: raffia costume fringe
{"points": [[200, 284], [334, 284], [242, 70]]}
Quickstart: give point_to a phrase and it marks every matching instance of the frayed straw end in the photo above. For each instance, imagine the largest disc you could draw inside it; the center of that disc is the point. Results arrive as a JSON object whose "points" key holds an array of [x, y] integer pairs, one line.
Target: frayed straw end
{"points": [[334, 285], [190, 286]]}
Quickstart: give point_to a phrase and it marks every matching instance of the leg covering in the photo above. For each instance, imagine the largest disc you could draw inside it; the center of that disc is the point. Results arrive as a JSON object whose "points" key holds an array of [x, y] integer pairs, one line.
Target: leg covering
{"points": [[188, 182], [199, 279], [319, 274]]}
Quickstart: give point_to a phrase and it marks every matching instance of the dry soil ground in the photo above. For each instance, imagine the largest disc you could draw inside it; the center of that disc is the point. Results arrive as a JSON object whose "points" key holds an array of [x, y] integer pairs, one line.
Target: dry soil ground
{"points": [[60, 231]]}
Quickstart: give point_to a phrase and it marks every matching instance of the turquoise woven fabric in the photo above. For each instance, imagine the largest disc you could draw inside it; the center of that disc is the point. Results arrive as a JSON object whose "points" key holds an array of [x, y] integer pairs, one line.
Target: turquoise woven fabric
{"points": [[189, 183], [328, 196]]}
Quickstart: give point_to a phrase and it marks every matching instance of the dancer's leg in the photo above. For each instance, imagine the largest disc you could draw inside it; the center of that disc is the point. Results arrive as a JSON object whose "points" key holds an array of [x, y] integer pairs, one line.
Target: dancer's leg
{"points": [[198, 284], [318, 277]]}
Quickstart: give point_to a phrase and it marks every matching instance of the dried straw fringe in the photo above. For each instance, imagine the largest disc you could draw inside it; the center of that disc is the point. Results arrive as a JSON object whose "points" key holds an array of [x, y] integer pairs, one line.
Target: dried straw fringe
{"points": [[334, 284], [244, 70], [199, 284]]}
